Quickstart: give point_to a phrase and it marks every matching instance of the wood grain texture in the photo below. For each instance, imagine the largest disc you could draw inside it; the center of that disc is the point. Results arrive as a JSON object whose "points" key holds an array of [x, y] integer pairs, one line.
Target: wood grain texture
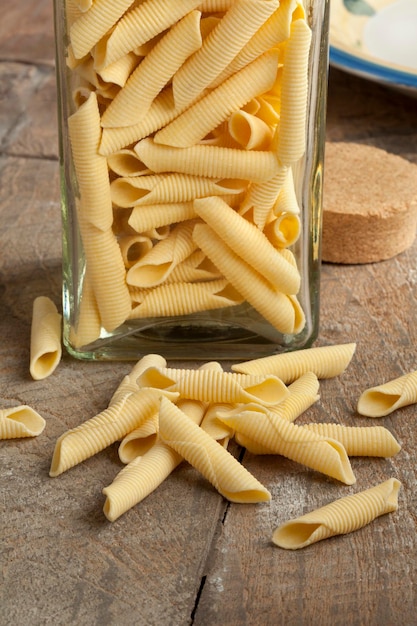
{"points": [[183, 556]]}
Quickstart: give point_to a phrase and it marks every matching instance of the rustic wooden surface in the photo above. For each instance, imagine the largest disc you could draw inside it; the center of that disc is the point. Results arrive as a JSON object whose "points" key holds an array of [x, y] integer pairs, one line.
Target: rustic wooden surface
{"points": [[184, 556]]}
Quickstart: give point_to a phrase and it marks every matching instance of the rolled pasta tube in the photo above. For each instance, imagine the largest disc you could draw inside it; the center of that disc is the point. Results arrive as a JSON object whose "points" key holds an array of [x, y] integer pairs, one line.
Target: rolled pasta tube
{"points": [[231, 479], [384, 399], [217, 106], [210, 161], [119, 72], [90, 437], [20, 421], [88, 324], [294, 88], [196, 268], [262, 197], [303, 446], [213, 6], [274, 306], [324, 361], [249, 243], [222, 44], [145, 217], [358, 440], [249, 131], [340, 517], [133, 247], [185, 298], [139, 441], [214, 427], [125, 163], [90, 166], [157, 264], [45, 338], [154, 72], [214, 386], [129, 383], [141, 24], [286, 201], [284, 230]]}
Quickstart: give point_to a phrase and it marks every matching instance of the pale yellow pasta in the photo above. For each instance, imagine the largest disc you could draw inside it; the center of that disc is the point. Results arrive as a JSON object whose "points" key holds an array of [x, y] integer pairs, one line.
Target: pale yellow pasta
{"points": [[133, 247], [324, 361], [286, 201], [261, 198], [45, 338], [294, 88], [107, 274], [340, 517], [226, 474], [90, 167], [72, 12], [214, 386], [154, 72], [284, 230], [80, 443], [274, 306], [249, 243], [211, 110], [384, 399], [129, 383], [249, 131], [125, 162], [281, 436], [214, 427], [84, 5], [91, 26], [87, 327], [211, 161], [212, 6], [144, 217], [233, 31], [141, 24], [157, 264], [20, 421], [197, 267], [139, 441], [273, 32], [269, 110], [359, 440], [163, 188], [119, 71], [185, 298]]}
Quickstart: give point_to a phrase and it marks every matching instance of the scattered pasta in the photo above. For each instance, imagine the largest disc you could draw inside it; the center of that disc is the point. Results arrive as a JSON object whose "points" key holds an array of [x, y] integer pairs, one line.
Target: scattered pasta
{"points": [[45, 338], [20, 421], [384, 399]]}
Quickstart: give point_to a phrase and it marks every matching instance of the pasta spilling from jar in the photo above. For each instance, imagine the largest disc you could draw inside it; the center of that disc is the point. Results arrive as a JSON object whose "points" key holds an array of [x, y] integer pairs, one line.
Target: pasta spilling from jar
{"points": [[187, 122]]}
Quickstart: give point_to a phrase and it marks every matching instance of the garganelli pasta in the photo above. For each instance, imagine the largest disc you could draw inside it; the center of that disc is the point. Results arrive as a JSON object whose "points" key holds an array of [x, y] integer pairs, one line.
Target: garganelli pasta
{"points": [[339, 517], [384, 399], [358, 440], [20, 421], [45, 338]]}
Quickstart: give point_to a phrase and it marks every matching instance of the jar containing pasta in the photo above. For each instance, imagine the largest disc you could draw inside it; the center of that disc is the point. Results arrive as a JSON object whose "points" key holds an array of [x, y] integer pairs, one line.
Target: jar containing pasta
{"points": [[191, 142]]}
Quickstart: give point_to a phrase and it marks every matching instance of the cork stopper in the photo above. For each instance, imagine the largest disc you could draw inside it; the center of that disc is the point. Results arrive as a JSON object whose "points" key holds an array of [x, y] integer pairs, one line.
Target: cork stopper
{"points": [[369, 204]]}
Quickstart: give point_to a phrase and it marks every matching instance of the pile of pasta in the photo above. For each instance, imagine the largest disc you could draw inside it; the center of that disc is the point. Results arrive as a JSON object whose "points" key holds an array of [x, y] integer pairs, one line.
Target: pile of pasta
{"points": [[162, 416], [188, 121]]}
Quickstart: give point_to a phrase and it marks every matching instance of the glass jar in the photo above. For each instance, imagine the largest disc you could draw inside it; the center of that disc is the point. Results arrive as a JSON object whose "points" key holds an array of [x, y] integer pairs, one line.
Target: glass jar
{"points": [[191, 154]]}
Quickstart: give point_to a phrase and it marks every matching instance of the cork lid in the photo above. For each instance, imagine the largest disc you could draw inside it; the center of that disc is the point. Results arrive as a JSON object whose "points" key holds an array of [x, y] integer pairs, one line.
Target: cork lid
{"points": [[369, 204]]}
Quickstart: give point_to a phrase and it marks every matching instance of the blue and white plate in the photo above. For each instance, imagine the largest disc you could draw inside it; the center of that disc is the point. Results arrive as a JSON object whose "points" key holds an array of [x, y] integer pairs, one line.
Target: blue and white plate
{"points": [[376, 39]]}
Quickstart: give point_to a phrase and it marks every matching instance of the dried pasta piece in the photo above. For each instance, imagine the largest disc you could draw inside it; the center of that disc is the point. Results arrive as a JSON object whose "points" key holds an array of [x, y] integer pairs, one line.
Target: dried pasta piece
{"points": [[324, 361], [340, 517], [233, 31], [87, 327], [286, 201], [154, 72], [211, 110], [91, 26], [142, 24], [90, 167], [284, 230], [185, 298], [196, 268], [226, 474], [214, 427], [45, 338], [119, 71], [261, 198], [384, 399], [250, 131], [213, 6], [274, 306], [144, 217], [129, 383], [90, 437], [358, 440], [155, 266], [125, 162], [211, 161], [249, 243], [281, 436], [139, 441], [214, 386], [133, 247], [294, 88], [20, 421]]}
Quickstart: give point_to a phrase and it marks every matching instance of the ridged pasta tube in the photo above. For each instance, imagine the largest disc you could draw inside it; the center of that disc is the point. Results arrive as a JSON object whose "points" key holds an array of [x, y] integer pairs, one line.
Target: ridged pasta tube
{"points": [[324, 361], [384, 399], [225, 473], [358, 440], [45, 338], [322, 454], [339, 517], [20, 421]]}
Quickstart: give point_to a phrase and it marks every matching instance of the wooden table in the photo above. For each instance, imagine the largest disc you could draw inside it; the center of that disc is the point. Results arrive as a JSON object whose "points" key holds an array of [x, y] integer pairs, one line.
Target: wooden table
{"points": [[184, 555]]}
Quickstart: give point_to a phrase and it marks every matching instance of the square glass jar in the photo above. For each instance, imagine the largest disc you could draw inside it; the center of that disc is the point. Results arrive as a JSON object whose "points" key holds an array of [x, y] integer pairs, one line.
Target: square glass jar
{"points": [[191, 155]]}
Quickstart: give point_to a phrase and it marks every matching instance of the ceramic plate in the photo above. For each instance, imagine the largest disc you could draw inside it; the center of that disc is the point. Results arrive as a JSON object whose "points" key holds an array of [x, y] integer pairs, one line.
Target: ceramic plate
{"points": [[376, 39]]}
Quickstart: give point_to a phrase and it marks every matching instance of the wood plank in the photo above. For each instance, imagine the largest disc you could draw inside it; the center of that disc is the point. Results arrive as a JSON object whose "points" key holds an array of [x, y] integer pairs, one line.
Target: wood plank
{"points": [[27, 32]]}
